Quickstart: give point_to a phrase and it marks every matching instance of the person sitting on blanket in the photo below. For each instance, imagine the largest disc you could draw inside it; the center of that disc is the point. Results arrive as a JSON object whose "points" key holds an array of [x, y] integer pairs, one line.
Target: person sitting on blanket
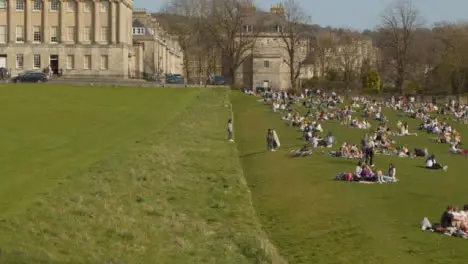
{"points": [[354, 152], [379, 116], [366, 173], [404, 151], [390, 176], [444, 138], [318, 128], [431, 163], [456, 137], [446, 219], [358, 171], [464, 216], [458, 220], [330, 140], [314, 141], [344, 150]]}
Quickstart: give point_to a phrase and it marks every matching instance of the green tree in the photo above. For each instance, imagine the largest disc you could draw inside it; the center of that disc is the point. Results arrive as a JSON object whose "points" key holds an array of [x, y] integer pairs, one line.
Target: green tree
{"points": [[372, 82], [332, 75]]}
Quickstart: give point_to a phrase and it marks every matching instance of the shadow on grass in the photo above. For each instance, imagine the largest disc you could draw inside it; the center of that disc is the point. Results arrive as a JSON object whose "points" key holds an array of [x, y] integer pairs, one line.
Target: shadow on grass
{"points": [[252, 154]]}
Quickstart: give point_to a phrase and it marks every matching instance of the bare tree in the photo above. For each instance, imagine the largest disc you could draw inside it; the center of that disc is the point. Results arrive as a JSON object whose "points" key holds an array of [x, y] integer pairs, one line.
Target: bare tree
{"points": [[225, 22], [455, 58], [349, 57], [186, 24], [322, 51], [399, 22], [295, 38]]}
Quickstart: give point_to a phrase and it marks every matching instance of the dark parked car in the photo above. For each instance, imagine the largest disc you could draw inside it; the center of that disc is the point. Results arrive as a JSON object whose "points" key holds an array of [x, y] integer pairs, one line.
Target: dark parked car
{"points": [[4, 74], [31, 77], [175, 79]]}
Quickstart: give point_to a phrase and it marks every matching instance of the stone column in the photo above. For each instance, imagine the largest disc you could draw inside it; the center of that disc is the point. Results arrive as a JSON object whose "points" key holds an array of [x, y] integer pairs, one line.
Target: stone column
{"points": [[113, 21], [45, 22], [79, 21], [11, 25], [27, 20], [62, 28], [120, 22], [97, 21]]}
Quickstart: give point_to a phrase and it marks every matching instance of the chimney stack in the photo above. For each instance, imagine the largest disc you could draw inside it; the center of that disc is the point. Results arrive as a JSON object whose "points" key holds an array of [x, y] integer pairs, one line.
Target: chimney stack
{"points": [[277, 9]]}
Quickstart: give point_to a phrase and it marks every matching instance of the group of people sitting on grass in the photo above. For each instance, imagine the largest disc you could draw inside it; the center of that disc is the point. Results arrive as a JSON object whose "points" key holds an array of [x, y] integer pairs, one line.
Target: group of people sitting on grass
{"points": [[365, 173], [458, 111], [446, 134], [453, 222], [403, 130]]}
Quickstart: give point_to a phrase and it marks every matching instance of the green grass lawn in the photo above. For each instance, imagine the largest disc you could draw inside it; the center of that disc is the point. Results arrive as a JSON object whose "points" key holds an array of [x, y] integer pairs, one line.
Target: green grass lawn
{"points": [[122, 175], [313, 219]]}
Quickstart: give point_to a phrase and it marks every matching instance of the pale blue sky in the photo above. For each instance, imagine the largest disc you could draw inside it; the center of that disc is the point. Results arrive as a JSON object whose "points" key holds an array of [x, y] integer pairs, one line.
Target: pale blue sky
{"points": [[357, 14]]}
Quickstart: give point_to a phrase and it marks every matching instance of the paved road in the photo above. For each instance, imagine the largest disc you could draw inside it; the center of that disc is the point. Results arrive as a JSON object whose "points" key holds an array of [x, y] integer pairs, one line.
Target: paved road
{"points": [[116, 82]]}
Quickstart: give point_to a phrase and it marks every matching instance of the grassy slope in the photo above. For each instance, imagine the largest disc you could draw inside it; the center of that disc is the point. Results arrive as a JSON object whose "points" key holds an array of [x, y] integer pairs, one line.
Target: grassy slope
{"points": [[49, 132], [314, 219], [175, 195]]}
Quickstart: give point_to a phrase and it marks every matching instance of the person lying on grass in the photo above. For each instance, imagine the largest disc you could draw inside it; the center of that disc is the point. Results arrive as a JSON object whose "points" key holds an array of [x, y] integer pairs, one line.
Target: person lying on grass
{"points": [[360, 124], [455, 149], [432, 164], [304, 151]]}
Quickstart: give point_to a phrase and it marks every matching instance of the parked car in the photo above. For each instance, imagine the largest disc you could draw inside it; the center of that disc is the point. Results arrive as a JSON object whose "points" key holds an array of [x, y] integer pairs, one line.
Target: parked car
{"points": [[31, 77], [4, 74], [175, 79]]}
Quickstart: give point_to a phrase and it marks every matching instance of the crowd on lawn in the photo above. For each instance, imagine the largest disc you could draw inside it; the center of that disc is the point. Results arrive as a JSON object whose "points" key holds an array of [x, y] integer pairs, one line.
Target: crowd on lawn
{"points": [[322, 107]]}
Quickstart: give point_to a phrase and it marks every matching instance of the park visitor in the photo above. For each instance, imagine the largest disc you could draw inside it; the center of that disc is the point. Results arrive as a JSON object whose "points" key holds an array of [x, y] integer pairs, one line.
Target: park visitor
{"points": [[229, 130], [270, 139], [431, 163]]}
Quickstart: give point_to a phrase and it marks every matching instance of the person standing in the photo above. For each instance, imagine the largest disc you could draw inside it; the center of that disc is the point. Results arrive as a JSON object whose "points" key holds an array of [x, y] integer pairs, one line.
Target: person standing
{"points": [[369, 152], [229, 130], [270, 140]]}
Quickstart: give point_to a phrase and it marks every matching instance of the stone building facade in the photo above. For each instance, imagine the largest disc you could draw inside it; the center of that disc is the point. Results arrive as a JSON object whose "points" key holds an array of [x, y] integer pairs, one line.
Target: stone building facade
{"points": [[266, 64], [79, 37], [351, 54], [161, 51]]}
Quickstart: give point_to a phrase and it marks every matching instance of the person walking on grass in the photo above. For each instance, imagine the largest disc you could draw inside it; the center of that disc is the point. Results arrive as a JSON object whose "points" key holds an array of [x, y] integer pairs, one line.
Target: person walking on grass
{"points": [[229, 130]]}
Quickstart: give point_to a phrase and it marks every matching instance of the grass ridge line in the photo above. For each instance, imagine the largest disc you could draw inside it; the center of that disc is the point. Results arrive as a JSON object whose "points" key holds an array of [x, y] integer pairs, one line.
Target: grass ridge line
{"points": [[267, 245]]}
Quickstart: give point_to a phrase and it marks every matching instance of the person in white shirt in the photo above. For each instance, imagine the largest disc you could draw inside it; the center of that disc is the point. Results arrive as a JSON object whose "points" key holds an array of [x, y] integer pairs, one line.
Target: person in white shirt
{"points": [[431, 163], [318, 127], [358, 171], [314, 141], [453, 149]]}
